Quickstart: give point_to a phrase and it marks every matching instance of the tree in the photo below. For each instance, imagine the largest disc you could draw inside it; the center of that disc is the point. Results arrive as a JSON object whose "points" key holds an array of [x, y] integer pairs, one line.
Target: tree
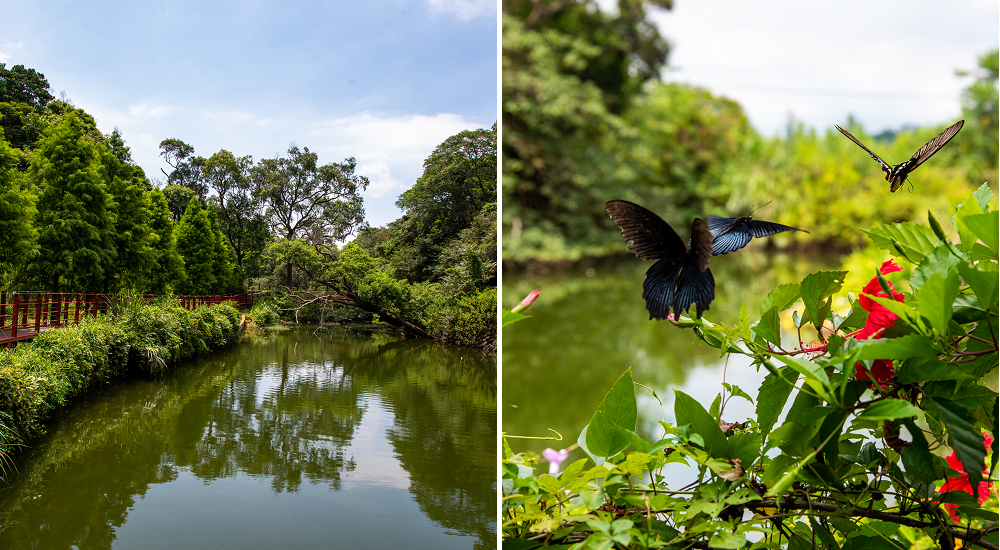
{"points": [[21, 124], [18, 237], [981, 109], [167, 266], [239, 207], [21, 85], [177, 197], [132, 236], [459, 179], [76, 228], [228, 278], [196, 244], [306, 199], [187, 168]]}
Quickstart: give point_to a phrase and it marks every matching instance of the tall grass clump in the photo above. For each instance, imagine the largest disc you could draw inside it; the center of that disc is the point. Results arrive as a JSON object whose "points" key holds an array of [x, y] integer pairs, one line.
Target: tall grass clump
{"points": [[40, 376]]}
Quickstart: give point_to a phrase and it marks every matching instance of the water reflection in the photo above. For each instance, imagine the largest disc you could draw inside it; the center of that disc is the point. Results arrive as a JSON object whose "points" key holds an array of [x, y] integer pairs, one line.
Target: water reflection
{"points": [[590, 324], [332, 438]]}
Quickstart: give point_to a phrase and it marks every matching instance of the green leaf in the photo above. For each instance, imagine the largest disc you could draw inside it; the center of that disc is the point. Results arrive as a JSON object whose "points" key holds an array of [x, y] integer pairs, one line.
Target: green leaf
{"points": [[768, 327], [689, 411], [968, 207], [984, 282], [904, 347], [781, 298], [916, 240], [509, 317], [985, 227], [816, 288], [963, 438], [773, 395], [940, 260], [746, 447], [928, 367], [725, 539], [917, 457], [812, 371], [983, 196], [736, 391], [935, 299], [618, 411], [889, 409]]}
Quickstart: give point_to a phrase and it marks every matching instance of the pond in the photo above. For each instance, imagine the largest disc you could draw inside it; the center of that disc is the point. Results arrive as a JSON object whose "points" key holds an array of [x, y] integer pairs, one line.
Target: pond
{"points": [[590, 324], [291, 440]]}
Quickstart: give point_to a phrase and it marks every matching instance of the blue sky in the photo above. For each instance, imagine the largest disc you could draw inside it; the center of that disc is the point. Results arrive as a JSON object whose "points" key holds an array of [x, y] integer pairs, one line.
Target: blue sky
{"points": [[383, 81], [890, 63]]}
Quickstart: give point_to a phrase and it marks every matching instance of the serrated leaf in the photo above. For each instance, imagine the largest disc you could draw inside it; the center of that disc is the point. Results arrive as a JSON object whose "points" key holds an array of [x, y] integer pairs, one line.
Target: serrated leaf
{"points": [[940, 260], [509, 317], [916, 240], [922, 369], [736, 391], [935, 299], [968, 207], [781, 298], [889, 409], [963, 438], [904, 347], [983, 196], [773, 395], [816, 288], [688, 411], [768, 327], [984, 283], [985, 227], [617, 411]]}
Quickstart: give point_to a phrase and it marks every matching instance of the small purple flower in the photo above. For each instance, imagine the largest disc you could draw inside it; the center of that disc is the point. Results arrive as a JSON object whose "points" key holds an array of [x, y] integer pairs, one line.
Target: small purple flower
{"points": [[555, 458]]}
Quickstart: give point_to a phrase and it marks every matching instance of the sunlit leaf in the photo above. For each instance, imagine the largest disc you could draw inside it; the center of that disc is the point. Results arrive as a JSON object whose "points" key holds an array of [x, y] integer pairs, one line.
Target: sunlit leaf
{"points": [[935, 299], [916, 240], [904, 347], [617, 410], [889, 409], [689, 411], [781, 298], [816, 288], [984, 282], [986, 227]]}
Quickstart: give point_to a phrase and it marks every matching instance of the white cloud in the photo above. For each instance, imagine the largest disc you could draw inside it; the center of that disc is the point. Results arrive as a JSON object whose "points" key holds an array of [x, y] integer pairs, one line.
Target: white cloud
{"points": [[15, 45], [148, 110], [380, 179], [404, 139], [466, 9]]}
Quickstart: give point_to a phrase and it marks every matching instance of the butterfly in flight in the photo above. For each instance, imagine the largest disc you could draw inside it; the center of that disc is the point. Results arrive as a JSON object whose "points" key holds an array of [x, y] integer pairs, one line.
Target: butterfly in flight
{"points": [[732, 234], [896, 175], [681, 276]]}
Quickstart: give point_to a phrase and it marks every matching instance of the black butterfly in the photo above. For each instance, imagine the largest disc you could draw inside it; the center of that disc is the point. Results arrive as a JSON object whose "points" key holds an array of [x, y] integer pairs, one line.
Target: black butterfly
{"points": [[896, 175], [681, 276], [732, 234]]}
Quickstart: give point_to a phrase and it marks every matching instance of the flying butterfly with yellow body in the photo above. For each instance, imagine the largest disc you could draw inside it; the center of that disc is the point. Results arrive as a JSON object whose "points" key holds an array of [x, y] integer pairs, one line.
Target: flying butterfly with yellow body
{"points": [[896, 175]]}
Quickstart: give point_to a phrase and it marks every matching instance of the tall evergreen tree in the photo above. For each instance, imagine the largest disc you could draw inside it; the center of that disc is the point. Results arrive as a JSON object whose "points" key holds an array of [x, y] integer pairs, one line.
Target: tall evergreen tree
{"points": [[196, 244], [132, 235], [76, 247], [167, 266], [18, 237], [226, 273]]}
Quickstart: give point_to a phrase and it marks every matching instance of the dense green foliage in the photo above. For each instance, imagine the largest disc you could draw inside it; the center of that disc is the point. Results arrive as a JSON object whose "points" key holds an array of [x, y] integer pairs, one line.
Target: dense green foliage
{"points": [[885, 389], [586, 120], [40, 376], [433, 271]]}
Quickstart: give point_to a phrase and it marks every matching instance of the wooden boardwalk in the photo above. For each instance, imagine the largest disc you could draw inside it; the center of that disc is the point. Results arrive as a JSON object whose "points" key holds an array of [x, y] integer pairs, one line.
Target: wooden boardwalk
{"points": [[26, 314]]}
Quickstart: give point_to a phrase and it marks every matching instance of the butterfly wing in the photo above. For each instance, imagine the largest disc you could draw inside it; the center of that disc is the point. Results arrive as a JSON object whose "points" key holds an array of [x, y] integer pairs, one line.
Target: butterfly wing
{"points": [[932, 146], [696, 284], [647, 235], [885, 166], [658, 288], [730, 234]]}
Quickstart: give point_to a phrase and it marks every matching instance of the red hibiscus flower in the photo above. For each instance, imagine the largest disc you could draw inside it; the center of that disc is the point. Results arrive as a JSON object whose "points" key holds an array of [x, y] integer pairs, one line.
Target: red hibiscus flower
{"points": [[961, 483], [879, 319]]}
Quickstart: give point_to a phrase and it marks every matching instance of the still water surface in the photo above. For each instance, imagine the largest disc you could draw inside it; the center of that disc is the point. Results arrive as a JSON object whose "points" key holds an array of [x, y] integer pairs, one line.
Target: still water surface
{"points": [[590, 325], [344, 440]]}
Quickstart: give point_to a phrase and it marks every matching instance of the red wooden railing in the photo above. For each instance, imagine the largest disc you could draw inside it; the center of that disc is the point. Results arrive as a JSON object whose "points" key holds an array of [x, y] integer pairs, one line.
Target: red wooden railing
{"points": [[24, 315]]}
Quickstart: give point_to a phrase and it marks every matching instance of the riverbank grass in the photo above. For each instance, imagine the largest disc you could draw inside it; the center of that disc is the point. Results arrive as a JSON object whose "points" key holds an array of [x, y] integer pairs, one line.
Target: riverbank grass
{"points": [[40, 376]]}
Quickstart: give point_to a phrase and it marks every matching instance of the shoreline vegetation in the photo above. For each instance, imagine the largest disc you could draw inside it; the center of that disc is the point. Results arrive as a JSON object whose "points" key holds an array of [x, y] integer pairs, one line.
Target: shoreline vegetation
{"points": [[39, 377]]}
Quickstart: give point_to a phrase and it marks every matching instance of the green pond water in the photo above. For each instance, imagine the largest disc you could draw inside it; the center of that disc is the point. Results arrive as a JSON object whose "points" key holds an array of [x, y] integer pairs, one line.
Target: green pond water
{"points": [[590, 324], [342, 440]]}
